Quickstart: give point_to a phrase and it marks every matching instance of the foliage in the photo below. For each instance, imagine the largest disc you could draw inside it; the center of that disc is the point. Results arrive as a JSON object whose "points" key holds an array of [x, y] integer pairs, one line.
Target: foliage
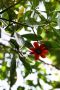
{"points": [[41, 25]]}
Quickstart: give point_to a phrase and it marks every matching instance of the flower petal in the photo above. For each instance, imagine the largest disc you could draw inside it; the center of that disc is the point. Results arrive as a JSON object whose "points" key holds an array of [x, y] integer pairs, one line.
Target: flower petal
{"points": [[32, 52], [42, 46], [36, 56], [43, 55], [45, 51], [32, 49], [36, 45]]}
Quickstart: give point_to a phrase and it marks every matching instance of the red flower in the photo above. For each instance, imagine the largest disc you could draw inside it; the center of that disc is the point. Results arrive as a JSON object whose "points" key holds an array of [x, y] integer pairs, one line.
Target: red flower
{"points": [[39, 50]]}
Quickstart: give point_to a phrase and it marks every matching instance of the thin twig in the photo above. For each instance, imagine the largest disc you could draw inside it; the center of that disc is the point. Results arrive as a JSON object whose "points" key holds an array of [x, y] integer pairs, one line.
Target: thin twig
{"points": [[50, 12], [33, 31], [50, 64], [23, 24], [9, 7]]}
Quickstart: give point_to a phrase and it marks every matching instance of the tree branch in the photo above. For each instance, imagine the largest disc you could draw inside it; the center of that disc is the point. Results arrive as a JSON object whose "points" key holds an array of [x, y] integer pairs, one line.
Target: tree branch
{"points": [[9, 7], [23, 24], [50, 64], [25, 57]]}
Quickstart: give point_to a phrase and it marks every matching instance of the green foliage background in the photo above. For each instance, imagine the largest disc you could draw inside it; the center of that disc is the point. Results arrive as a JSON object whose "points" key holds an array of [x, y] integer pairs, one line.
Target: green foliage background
{"points": [[16, 15]]}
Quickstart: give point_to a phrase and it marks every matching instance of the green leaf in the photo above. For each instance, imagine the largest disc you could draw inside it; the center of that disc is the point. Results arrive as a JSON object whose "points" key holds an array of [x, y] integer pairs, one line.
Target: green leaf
{"points": [[54, 52], [32, 37], [5, 15], [32, 21], [25, 63], [54, 56], [28, 14], [1, 55], [13, 71], [35, 3], [29, 82], [9, 29], [39, 30], [3, 71], [43, 19], [19, 39], [58, 6], [20, 88], [28, 44], [36, 65], [52, 45], [57, 33], [1, 4], [50, 7], [14, 44]]}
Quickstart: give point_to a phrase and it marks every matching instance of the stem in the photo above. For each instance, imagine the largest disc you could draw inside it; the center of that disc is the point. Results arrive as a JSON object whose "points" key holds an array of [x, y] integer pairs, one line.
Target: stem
{"points": [[50, 65], [51, 11], [33, 31], [9, 7], [23, 24], [35, 34]]}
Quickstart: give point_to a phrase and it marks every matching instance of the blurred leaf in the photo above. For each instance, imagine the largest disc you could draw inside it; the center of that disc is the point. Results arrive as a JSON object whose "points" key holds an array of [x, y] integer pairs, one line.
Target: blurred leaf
{"points": [[0, 24], [57, 85], [10, 29], [20, 12], [19, 39], [5, 15], [43, 19], [32, 37], [57, 33], [28, 44], [20, 88], [28, 14], [25, 63], [36, 65], [35, 3], [11, 15], [1, 55], [55, 57], [50, 7], [52, 45], [29, 82], [32, 21], [57, 6], [14, 44], [3, 71], [39, 30], [13, 71], [18, 5]]}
